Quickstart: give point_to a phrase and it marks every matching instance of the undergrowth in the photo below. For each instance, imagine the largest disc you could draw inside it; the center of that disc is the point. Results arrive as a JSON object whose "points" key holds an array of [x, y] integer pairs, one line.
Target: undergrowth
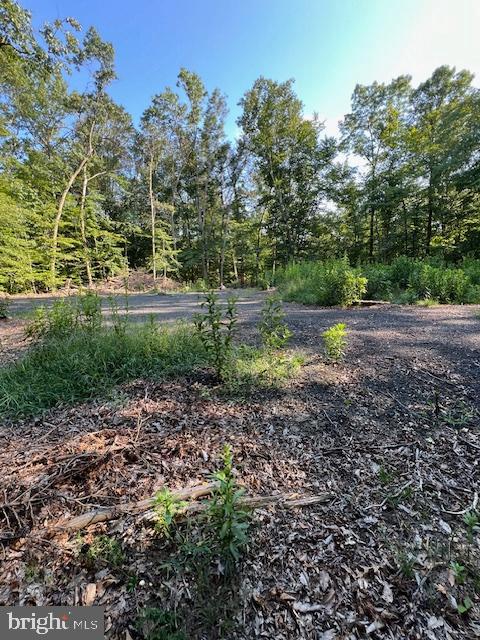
{"points": [[76, 357], [404, 281]]}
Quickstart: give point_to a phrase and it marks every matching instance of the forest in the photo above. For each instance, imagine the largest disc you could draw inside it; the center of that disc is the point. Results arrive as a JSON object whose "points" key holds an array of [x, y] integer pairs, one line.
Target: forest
{"points": [[85, 193]]}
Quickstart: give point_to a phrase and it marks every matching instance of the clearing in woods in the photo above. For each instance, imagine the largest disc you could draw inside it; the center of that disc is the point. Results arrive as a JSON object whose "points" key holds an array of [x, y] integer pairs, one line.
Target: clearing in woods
{"points": [[389, 438]]}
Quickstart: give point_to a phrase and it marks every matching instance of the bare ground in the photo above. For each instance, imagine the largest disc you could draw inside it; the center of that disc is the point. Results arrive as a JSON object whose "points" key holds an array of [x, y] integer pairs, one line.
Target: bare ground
{"points": [[392, 434]]}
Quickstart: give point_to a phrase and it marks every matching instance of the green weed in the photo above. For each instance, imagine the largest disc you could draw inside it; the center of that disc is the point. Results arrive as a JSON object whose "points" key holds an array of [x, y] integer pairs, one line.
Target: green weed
{"points": [[166, 508], [158, 624], [107, 549], [275, 333], [229, 521], [335, 342], [215, 329]]}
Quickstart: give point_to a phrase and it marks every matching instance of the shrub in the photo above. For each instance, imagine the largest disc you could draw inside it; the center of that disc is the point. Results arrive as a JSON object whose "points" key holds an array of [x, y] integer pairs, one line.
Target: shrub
{"points": [[4, 305], [379, 284], [445, 285], [57, 321], [275, 333], [215, 330], [65, 315], [325, 283], [335, 342]]}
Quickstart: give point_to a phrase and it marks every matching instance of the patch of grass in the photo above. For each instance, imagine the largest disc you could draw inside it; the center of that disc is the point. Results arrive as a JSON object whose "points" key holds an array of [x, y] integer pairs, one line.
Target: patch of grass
{"points": [[253, 367], [106, 549], [83, 364], [159, 624], [427, 302]]}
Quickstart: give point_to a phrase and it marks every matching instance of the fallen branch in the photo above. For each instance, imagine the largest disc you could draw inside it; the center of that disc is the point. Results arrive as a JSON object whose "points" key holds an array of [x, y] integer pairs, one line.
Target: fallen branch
{"points": [[287, 501], [111, 513]]}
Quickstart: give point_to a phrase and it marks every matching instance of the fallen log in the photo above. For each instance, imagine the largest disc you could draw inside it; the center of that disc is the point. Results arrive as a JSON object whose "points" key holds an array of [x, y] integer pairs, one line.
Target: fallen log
{"points": [[129, 508], [288, 501]]}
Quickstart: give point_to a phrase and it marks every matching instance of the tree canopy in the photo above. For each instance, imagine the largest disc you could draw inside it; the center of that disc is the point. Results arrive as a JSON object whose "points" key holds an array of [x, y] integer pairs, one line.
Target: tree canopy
{"points": [[85, 194]]}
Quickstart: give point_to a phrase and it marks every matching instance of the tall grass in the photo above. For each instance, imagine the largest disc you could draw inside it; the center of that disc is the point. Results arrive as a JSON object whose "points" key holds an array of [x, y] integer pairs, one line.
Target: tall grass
{"points": [[85, 364]]}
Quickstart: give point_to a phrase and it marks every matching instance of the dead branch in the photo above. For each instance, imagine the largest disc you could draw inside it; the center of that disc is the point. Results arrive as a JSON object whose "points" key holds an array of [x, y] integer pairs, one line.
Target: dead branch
{"points": [[287, 501]]}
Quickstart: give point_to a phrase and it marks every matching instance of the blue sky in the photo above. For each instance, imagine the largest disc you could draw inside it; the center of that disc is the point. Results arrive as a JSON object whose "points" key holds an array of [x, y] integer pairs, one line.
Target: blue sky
{"points": [[326, 45]]}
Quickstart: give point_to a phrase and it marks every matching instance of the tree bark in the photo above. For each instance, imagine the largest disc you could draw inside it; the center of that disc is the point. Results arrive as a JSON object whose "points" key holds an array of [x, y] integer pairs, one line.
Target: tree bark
{"points": [[58, 217], [152, 213], [82, 227]]}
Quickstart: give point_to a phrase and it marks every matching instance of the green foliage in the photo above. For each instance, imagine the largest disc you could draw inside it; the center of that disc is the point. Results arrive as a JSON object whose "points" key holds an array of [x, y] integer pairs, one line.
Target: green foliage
{"points": [[261, 368], [59, 320], [77, 365], [65, 315], [459, 571], [4, 306], [215, 330], [229, 521], [335, 342], [324, 283], [275, 333], [106, 549], [166, 508], [158, 624], [472, 522], [465, 606]]}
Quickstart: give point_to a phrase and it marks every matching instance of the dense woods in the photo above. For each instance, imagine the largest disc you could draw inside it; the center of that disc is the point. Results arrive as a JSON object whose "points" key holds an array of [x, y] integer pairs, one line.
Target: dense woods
{"points": [[85, 193]]}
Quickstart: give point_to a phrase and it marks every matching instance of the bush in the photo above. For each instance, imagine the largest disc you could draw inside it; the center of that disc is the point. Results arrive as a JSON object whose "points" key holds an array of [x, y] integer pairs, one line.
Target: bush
{"points": [[444, 285], [4, 305], [335, 342], [379, 284], [324, 283], [65, 315]]}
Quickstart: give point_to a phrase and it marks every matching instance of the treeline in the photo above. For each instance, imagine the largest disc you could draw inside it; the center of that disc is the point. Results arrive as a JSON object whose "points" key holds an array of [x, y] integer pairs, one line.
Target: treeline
{"points": [[84, 194]]}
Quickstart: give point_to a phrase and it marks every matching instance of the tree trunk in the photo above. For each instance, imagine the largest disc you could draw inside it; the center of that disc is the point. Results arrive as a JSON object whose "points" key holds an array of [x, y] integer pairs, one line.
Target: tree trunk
{"points": [[152, 213], [58, 217], [428, 237], [82, 227], [371, 233]]}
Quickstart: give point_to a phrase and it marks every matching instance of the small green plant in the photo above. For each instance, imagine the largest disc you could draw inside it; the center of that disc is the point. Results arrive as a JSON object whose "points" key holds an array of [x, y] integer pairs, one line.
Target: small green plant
{"points": [[89, 310], [405, 562], [166, 508], [228, 519], [465, 606], [119, 321], [335, 342], [471, 521], [216, 330], [4, 306], [459, 571], [57, 321], [106, 549], [275, 333], [385, 476], [158, 624]]}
